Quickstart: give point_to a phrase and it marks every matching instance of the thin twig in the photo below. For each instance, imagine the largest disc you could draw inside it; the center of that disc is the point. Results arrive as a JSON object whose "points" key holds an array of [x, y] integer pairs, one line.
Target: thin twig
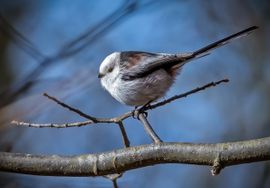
{"points": [[211, 84], [148, 128], [113, 178], [115, 185], [77, 111], [124, 134], [114, 119], [52, 125]]}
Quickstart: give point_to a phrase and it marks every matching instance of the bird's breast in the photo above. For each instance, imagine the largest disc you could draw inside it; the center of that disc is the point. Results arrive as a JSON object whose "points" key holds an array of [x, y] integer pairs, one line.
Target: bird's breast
{"points": [[140, 91]]}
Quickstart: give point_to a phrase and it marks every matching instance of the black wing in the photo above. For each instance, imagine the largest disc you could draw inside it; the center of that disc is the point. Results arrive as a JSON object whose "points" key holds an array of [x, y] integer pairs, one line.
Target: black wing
{"points": [[140, 64]]}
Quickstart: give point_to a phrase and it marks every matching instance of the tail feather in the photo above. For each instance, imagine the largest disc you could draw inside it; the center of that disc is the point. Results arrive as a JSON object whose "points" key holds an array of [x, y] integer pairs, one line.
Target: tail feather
{"points": [[205, 50]]}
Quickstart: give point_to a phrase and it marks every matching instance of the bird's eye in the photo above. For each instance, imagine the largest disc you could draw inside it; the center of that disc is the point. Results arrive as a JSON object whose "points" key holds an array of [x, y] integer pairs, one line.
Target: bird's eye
{"points": [[110, 69]]}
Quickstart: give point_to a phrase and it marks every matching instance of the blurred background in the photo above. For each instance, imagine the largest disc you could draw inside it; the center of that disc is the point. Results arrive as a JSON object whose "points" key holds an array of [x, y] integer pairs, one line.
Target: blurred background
{"points": [[57, 46]]}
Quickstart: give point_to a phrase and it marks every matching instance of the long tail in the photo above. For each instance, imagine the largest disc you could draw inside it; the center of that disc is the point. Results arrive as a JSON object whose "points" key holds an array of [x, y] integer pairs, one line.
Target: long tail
{"points": [[175, 62], [205, 50]]}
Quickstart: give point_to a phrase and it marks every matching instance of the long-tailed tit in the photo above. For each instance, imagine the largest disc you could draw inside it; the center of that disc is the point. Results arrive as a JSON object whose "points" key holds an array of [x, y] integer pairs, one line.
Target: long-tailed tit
{"points": [[138, 78]]}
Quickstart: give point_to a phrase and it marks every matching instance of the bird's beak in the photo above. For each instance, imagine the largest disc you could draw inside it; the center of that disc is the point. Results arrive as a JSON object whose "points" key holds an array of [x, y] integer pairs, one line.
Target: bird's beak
{"points": [[100, 75]]}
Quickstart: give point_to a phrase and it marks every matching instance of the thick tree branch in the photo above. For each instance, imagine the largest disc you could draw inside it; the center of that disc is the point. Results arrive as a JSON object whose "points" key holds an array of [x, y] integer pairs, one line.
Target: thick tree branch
{"points": [[121, 160]]}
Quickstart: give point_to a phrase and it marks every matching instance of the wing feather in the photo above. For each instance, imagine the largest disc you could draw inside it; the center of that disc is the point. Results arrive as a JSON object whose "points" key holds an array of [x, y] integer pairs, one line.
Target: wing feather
{"points": [[140, 64]]}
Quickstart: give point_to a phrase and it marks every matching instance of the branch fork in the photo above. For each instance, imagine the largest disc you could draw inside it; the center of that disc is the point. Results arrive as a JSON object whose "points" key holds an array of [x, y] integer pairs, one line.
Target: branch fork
{"points": [[116, 158]]}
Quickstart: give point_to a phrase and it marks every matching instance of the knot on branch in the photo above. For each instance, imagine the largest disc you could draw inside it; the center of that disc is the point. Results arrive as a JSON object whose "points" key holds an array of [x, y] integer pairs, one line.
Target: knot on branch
{"points": [[95, 166], [217, 167]]}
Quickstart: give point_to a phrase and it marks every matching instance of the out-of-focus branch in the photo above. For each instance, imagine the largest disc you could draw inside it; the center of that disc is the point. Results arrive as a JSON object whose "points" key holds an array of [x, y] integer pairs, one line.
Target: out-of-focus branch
{"points": [[217, 155], [71, 48], [19, 39], [117, 119]]}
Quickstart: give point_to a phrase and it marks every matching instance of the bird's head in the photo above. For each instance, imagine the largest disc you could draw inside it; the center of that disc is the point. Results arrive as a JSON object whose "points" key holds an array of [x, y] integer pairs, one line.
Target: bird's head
{"points": [[109, 69]]}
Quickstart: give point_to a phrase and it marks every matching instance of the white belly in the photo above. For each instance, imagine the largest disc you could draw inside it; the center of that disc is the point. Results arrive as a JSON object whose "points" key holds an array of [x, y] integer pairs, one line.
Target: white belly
{"points": [[140, 91]]}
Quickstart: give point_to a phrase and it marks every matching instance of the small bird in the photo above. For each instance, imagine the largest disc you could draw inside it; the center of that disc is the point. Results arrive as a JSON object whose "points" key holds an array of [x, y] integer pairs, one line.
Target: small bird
{"points": [[138, 78]]}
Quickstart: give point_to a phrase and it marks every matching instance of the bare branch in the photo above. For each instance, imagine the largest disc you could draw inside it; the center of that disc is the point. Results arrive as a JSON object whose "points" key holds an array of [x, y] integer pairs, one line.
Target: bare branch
{"points": [[77, 111], [52, 125], [114, 119], [113, 178], [122, 160], [211, 84], [115, 185], [124, 134], [148, 128]]}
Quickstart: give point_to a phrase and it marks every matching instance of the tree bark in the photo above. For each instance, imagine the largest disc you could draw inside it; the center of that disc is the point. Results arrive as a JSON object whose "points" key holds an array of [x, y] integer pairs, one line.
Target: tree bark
{"points": [[217, 155]]}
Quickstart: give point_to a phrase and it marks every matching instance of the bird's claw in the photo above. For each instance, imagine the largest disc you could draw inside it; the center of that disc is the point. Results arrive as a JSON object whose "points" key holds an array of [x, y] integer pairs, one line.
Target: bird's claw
{"points": [[137, 112]]}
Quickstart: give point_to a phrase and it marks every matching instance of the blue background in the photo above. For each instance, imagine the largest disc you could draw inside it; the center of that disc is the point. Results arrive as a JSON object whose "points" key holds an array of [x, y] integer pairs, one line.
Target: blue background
{"points": [[235, 111]]}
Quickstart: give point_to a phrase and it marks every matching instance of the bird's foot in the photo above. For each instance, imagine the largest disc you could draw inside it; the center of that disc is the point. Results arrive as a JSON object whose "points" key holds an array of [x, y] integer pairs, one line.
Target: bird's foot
{"points": [[137, 111]]}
